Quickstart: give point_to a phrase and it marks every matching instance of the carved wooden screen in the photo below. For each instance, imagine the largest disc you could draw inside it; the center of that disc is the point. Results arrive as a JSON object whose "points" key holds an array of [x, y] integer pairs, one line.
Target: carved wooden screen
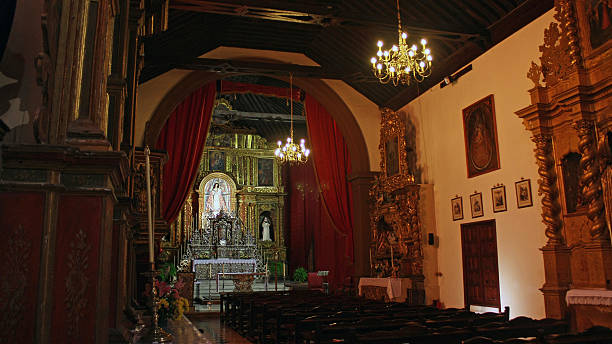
{"points": [[480, 271]]}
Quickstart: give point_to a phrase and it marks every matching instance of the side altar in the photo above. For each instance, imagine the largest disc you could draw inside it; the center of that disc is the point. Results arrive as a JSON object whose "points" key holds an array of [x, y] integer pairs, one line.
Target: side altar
{"points": [[397, 249]]}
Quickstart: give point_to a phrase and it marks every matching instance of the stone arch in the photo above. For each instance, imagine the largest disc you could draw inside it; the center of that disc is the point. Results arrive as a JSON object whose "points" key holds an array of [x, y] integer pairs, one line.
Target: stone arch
{"points": [[317, 88]]}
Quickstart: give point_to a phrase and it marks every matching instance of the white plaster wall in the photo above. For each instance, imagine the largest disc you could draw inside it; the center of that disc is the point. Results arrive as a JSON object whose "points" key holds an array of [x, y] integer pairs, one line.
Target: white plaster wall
{"points": [[365, 111], [437, 114]]}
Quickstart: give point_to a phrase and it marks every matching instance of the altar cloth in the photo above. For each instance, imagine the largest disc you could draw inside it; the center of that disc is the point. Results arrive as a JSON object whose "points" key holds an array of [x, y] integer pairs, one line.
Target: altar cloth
{"points": [[596, 297], [396, 287]]}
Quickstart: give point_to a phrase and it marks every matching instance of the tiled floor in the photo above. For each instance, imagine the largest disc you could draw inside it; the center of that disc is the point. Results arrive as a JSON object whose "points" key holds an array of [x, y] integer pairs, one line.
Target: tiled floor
{"points": [[215, 332]]}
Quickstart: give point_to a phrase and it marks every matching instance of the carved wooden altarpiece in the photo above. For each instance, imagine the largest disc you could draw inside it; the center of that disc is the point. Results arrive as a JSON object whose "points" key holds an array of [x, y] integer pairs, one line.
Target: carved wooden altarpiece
{"points": [[570, 116], [395, 247]]}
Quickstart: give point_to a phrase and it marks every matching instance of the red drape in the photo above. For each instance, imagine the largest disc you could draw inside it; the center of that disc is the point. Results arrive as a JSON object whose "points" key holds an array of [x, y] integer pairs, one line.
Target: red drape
{"points": [[272, 91], [303, 212], [332, 164], [183, 137]]}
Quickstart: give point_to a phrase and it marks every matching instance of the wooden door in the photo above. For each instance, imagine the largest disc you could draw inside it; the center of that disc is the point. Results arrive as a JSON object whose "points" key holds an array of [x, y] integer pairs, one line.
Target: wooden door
{"points": [[480, 271]]}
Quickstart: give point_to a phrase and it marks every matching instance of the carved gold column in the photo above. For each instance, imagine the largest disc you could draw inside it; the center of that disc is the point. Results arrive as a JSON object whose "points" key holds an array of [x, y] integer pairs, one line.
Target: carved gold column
{"points": [[555, 253], [548, 188], [598, 252], [590, 181]]}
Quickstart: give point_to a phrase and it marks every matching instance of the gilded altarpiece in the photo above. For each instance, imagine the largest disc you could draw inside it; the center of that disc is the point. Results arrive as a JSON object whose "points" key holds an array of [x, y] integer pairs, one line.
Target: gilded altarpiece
{"points": [[246, 163], [570, 120], [396, 248]]}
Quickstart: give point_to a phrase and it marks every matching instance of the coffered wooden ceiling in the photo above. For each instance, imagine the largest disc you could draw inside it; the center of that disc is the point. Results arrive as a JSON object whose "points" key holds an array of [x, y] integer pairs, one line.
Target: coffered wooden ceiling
{"points": [[339, 35]]}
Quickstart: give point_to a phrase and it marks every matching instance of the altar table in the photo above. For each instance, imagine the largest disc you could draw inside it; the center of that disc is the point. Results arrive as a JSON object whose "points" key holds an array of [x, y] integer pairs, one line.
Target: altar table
{"points": [[208, 268], [243, 281], [395, 288]]}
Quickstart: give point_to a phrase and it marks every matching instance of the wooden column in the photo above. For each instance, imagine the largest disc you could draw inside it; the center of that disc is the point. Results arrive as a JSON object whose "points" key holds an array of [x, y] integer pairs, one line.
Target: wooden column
{"points": [[361, 221]]}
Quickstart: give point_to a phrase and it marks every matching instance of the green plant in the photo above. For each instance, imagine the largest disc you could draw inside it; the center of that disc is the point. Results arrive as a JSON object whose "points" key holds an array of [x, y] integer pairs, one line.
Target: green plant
{"points": [[300, 275]]}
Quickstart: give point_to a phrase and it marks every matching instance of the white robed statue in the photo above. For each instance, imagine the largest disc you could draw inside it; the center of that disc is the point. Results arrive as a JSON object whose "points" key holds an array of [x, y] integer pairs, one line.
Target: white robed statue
{"points": [[265, 225], [216, 201]]}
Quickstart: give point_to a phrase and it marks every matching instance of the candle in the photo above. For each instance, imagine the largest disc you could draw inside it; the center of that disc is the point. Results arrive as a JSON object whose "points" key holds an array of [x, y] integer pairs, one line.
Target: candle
{"points": [[392, 257], [149, 215], [209, 271]]}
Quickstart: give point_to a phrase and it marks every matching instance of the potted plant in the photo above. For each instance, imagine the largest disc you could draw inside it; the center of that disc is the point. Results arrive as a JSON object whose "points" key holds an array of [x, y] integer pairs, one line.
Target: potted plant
{"points": [[300, 278]]}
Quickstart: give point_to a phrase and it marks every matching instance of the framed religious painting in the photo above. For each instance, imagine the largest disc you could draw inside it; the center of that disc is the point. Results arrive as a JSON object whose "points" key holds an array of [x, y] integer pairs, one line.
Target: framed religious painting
{"points": [[523, 193], [392, 156], [457, 208], [393, 153], [480, 134], [216, 161], [594, 19], [498, 197], [476, 205], [265, 172]]}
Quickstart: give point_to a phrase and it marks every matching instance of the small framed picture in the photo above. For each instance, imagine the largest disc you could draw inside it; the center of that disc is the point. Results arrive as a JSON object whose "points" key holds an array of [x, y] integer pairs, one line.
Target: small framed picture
{"points": [[476, 204], [457, 208], [498, 195], [523, 193]]}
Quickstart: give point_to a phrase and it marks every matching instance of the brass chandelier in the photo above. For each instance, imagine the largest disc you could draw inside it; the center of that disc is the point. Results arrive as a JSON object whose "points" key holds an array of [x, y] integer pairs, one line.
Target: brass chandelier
{"points": [[291, 152], [402, 62]]}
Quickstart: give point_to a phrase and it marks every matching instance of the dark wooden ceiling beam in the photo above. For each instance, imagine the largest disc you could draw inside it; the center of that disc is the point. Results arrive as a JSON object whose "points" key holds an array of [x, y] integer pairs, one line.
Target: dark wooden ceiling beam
{"points": [[255, 67], [310, 16]]}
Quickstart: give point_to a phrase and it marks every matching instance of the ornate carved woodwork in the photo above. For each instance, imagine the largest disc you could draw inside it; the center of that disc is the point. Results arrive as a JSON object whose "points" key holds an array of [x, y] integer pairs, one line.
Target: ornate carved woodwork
{"points": [[567, 116], [157, 161], [590, 180], [77, 283], [548, 188], [395, 248], [257, 188], [15, 270]]}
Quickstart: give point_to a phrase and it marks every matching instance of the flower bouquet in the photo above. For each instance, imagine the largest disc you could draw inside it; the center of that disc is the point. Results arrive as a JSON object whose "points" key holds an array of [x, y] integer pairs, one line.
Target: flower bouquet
{"points": [[171, 304]]}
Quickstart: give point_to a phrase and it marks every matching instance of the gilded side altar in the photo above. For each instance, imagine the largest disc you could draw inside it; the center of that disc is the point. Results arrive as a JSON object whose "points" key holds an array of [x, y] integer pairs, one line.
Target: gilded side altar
{"points": [[395, 247]]}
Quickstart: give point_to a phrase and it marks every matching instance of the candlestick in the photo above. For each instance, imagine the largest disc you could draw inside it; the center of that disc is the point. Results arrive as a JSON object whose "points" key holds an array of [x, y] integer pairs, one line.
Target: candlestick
{"points": [[149, 215]]}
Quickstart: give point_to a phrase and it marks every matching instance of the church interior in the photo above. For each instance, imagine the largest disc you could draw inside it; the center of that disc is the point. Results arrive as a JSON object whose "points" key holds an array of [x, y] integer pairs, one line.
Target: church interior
{"points": [[241, 171]]}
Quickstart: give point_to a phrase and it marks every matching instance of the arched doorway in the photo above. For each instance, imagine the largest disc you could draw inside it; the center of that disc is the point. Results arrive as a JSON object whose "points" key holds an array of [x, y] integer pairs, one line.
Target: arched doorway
{"points": [[345, 120]]}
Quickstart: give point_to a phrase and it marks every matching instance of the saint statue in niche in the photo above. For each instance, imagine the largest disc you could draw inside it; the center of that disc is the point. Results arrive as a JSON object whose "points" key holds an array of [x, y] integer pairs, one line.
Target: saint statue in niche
{"points": [[217, 194], [265, 229]]}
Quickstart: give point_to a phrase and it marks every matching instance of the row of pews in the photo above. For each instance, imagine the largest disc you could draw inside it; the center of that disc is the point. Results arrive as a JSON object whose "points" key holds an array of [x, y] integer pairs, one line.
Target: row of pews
{"points": [[313, 317]]}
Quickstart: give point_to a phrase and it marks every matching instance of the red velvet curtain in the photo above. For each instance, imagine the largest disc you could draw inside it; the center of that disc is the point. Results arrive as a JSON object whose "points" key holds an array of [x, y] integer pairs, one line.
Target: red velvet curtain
{"points": [[183, 137], [303, 212], [332, 164]]}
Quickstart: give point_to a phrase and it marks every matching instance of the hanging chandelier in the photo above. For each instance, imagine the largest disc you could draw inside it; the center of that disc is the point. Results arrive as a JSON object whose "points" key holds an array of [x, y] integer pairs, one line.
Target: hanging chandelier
{"points": [[291, 152], [402, 62]]}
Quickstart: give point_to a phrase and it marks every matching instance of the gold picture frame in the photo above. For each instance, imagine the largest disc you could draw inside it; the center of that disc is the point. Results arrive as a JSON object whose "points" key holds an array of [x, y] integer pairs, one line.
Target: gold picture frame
{"points": [[393, 163]]}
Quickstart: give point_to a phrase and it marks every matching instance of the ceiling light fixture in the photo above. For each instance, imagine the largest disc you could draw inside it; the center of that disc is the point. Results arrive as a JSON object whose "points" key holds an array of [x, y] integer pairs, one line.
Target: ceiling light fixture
{"points": [[291, 152], [402, 62]]}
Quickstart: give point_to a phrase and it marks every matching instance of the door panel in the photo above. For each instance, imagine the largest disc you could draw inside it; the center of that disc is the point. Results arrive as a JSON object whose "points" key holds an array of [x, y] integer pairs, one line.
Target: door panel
{"points": [[480, 271]]}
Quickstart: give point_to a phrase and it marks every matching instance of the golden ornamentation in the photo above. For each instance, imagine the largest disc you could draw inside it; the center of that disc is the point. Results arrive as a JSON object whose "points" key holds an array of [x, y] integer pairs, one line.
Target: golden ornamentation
{"points": [[590, 181], [394, 200], [560, 49], [391, 126], [535, 74], [567, 18], [548, 188], [12, 289], [77, 282]]}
